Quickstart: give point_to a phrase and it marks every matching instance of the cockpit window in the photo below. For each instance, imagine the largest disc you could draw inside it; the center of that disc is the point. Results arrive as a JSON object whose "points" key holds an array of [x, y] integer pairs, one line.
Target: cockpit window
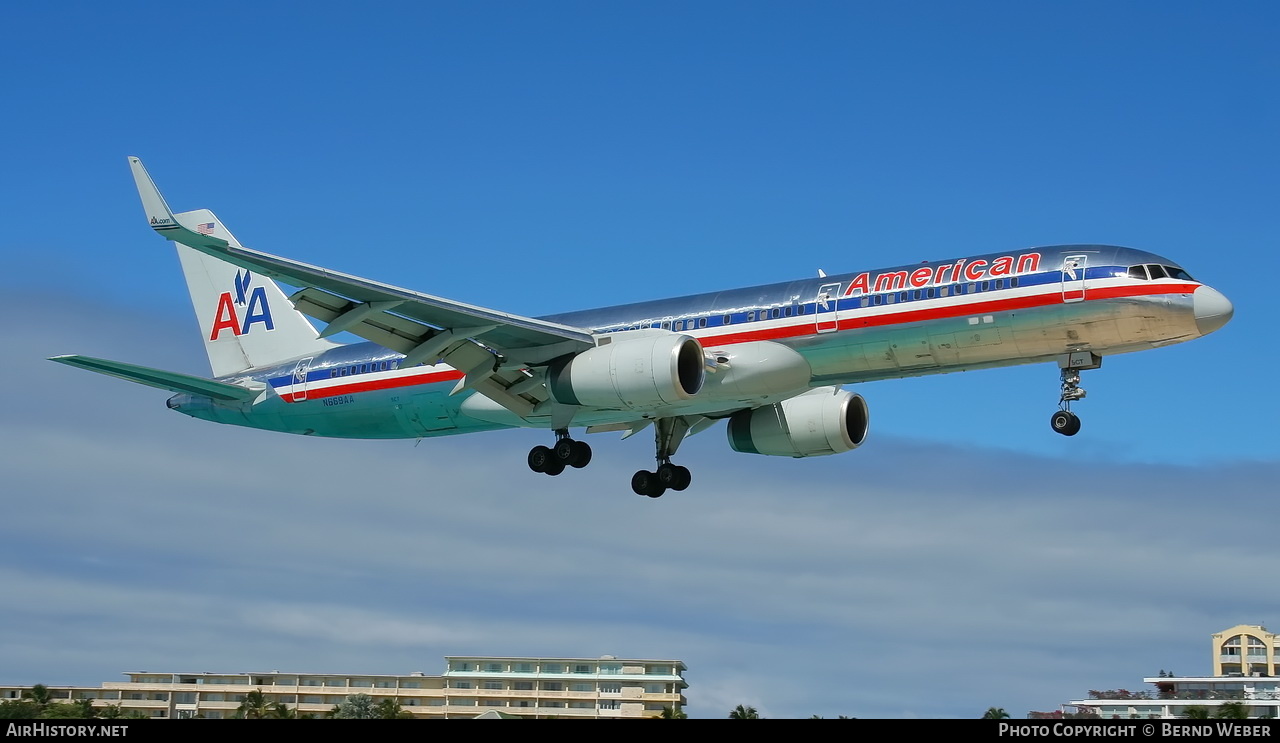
{"points": [[1157, 272], [1178, 273], [1138, 272]]}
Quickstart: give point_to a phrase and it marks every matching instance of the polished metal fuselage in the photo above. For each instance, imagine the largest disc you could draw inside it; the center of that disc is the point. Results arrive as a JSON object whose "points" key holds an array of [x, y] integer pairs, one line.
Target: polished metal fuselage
{"points": [[928, 318]]}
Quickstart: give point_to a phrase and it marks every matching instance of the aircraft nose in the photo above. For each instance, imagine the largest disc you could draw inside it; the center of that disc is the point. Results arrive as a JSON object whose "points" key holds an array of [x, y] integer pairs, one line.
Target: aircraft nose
{"points": [[1211, 308]]}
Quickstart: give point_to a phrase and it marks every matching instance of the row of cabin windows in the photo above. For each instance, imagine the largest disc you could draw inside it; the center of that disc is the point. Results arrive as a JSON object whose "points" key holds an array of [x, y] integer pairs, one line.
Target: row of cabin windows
{"points": [[1152, 271], [362, 368], [940, 291], [874, 300]]}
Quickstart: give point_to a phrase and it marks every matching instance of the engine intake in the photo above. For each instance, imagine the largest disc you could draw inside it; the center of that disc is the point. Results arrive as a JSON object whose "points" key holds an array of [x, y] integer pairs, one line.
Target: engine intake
{"points": [[827, 420], [635, 369]]}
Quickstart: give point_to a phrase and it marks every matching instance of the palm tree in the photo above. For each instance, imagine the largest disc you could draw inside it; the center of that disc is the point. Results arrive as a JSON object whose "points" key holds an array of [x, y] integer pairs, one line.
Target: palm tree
{"points": [[744, 713], [1196, 712], [995, 713], [390, 709], [86, 708], [39, 694], [255, 706], [673, 713], [281, 711], [111, 712], [356, 707], [1232, 711]]}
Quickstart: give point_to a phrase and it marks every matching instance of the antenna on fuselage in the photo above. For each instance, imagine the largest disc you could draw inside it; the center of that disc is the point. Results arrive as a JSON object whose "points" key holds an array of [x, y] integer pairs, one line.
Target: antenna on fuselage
{"points": [[822, 274]]}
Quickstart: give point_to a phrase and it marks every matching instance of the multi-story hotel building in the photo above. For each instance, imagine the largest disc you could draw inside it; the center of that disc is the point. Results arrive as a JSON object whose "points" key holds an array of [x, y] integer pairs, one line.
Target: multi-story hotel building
{"points": [[1246, 669], [604, 687]]}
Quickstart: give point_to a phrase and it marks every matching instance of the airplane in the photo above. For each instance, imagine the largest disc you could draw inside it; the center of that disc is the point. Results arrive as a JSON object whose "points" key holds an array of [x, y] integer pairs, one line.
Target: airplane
{"points": [[771, 360]]}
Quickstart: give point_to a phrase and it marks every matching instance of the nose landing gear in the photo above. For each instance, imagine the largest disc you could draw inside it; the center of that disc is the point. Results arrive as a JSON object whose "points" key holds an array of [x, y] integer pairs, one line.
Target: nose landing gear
{"points": [[1064, 421]]}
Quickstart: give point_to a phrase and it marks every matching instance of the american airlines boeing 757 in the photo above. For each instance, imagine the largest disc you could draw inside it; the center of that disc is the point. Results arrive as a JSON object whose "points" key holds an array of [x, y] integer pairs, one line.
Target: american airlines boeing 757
{"points": [[770, 360]]}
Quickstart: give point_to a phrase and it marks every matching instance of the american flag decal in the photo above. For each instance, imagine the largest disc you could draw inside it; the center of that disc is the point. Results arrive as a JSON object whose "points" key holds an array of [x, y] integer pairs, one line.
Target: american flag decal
{"points": [[205, 229]]}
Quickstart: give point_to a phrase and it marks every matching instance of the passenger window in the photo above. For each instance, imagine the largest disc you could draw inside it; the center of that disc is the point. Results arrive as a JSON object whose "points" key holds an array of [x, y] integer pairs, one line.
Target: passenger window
{"points": [[786, 311], [775, 312], [972, 288], [999, 283], [1013, 281], [702, 322], [1138, 272], [890, 298], [726, 319], [1157, 272], [943, 291], [918, 295], [986, 285]]}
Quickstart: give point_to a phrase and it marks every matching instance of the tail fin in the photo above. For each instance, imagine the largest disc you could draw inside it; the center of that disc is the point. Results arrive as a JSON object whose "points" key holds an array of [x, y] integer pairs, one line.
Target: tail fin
{"points": [[245, 319]]}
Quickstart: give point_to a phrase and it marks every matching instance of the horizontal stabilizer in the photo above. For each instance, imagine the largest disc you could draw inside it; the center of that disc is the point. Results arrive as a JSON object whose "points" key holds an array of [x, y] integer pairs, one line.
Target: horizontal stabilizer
{"points": [[165, 380]]}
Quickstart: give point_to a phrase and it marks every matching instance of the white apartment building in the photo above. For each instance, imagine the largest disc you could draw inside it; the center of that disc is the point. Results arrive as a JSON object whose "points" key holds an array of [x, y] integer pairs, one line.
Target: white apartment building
{"points": [[1246, 664], [604, 687]]}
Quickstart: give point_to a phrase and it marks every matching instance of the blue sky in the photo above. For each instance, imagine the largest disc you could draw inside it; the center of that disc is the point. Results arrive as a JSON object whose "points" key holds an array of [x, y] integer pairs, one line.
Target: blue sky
{"points": [[550, 157]]}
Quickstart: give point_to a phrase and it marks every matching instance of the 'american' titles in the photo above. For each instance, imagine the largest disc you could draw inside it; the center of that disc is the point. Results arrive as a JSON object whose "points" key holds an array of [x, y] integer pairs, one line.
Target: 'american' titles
{"points": [[944, 273]]}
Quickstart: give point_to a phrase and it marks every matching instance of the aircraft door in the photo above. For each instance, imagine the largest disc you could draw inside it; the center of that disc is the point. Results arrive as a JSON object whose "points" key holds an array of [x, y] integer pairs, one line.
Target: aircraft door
{"points": [[300, 379], [1073, 267], [825, 311]]}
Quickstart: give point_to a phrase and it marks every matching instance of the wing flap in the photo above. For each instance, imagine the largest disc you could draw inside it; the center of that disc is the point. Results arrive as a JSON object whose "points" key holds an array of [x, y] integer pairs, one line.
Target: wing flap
{"points": [[165, 380], [516, 336]]}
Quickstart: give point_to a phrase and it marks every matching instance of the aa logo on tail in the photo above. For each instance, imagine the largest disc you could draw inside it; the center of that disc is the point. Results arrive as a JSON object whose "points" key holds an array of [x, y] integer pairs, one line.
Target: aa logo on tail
{"points": [[255, 307]]}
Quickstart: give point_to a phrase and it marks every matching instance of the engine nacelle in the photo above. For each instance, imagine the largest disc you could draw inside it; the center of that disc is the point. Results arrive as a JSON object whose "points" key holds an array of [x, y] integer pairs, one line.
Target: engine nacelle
{"points": [[631, 370], [757, 371], [827, 420]]}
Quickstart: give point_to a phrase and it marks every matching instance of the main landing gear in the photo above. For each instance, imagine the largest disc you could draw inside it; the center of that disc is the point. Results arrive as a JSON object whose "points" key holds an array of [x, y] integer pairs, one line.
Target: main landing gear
{"points": [[565, 453], [1064, 421], [668, 433]]}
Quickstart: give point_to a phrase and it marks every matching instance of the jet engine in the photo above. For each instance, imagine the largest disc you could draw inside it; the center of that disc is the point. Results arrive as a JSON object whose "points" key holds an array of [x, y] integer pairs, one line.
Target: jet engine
{"points": [[631, 370], [827, 420]]}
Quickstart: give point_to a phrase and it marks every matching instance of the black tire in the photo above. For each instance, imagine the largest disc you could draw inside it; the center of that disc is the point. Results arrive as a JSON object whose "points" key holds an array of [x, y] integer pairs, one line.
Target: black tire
{"points": [[539, 456], [1065, 422], [685, 477], [668, 475], [645, 482], [564, 450], [554, 467], [581, 455]]}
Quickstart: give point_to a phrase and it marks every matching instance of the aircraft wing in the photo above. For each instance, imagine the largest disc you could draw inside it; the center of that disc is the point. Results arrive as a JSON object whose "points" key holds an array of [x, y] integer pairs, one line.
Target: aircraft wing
{"points": [[421, 326], [165, 380]]}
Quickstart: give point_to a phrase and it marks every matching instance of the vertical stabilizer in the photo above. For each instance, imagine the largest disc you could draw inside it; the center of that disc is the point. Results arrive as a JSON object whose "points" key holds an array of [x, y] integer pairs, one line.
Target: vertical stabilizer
{"points": [[245, 319]]}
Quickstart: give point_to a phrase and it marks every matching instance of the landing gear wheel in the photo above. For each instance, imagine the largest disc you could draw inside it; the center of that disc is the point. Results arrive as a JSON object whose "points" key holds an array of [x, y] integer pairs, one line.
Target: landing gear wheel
{"points": [[1065, 422], [539, 457], [581, 455], [564, 450], [647, 483], [685, 477], [554, 467]]}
